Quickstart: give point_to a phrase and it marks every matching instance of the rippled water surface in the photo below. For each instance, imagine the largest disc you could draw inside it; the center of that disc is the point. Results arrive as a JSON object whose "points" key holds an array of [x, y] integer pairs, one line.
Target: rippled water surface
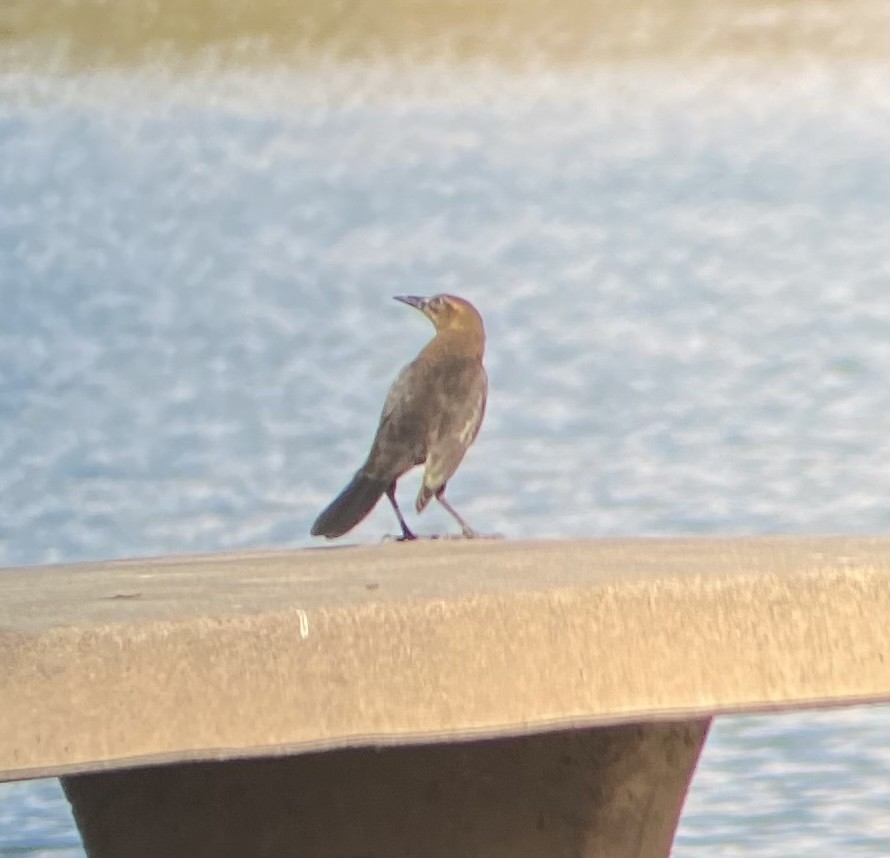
{"points": [[684, 268]]}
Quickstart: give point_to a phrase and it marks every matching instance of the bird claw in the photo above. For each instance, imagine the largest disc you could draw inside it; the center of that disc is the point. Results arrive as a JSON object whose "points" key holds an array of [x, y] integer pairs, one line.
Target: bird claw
{"points": [[413, 537], [471, 534], [402, 537]]}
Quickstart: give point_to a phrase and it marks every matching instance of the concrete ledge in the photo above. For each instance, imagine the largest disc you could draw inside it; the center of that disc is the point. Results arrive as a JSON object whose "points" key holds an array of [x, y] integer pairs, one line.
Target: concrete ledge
{"points": [[592, 668], [116, 664]]}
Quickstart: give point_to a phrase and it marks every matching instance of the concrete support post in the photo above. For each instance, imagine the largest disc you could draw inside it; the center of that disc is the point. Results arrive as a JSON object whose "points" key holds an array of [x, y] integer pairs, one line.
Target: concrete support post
{"points": [[607, 792]]}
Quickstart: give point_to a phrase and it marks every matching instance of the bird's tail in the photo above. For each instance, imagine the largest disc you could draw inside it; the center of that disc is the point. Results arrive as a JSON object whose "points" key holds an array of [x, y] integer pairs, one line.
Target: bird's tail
{"points": [[349, 507]]}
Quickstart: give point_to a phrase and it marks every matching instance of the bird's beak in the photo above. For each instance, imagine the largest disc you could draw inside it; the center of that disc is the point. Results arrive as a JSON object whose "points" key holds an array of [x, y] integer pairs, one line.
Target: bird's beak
{"points": [[412, 301]]}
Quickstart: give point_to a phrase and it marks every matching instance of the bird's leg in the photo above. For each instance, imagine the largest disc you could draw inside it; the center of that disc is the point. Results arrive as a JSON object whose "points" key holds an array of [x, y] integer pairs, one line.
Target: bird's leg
{"points": [[406, 531], [468, 531]]}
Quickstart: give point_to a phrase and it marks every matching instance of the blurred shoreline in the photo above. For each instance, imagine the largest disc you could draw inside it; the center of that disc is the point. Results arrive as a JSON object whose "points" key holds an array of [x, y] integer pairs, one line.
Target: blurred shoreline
{"points": [[86, 34]]}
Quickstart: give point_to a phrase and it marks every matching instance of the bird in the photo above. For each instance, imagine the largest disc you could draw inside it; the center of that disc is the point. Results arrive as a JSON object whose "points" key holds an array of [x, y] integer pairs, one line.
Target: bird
{"points": [[431, 416]]}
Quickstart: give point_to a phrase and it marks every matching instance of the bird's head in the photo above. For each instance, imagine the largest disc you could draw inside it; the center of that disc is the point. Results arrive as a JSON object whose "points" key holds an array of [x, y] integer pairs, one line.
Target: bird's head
{"points": [[447, 313]]}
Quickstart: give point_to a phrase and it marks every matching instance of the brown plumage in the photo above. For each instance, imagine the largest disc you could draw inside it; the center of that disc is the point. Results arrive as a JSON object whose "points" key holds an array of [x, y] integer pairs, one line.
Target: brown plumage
{"points": [[432, 414]]}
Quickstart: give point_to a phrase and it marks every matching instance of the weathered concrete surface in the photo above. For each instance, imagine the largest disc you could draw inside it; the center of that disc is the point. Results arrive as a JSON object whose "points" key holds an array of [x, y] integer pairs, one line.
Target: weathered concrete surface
{"points": [[612, 792], [115, 664]]}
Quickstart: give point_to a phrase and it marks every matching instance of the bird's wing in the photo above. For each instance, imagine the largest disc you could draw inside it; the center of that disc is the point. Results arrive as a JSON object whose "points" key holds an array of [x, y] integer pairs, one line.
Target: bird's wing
{"points": [[400, 440], [480, 397], [454, 434], [396, 392]]}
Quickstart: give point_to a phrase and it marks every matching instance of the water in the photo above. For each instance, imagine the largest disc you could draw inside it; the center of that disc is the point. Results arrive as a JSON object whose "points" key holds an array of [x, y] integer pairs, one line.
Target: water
{"points": [[684, 266]]}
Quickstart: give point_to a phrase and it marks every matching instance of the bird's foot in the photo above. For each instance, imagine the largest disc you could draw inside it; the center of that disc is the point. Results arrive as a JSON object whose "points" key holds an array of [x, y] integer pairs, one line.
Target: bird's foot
{"points": [[402, 537], [466, 534], [413, 537], [474, 534], [407, 535]]}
